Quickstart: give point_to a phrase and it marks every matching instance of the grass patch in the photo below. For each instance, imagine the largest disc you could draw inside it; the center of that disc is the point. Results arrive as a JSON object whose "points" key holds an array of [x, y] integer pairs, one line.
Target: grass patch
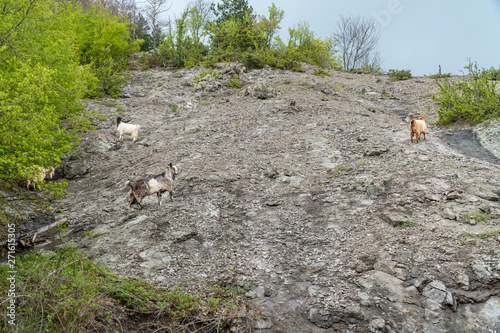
{"points": [[65, 291], [173, 107], [209, 72], [478, 216], [399, 74], [482, 235], [101, 117], [321, 72], [339, 170], [406, 223]]}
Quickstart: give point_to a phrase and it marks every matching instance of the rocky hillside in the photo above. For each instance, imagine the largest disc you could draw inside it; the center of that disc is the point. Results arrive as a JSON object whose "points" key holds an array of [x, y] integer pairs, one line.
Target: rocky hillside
{"points": [[303, 191]]}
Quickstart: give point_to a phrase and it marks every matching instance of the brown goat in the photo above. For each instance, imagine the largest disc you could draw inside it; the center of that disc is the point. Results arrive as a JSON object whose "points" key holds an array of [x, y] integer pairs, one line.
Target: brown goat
{"points": [[151, 185], [418, 127]]}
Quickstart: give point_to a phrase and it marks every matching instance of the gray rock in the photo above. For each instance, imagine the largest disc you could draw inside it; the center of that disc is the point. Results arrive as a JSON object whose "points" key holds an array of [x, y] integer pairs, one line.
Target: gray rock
{"points": [[320, 317], [484, 192], [263, 324], [435, 291], [488, 134], [376, 324], [375, 150], [260, 91]]}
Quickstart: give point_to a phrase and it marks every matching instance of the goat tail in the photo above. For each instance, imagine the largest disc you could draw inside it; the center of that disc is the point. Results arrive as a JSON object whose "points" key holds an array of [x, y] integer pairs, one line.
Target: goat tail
{"points": [[129, 183]]}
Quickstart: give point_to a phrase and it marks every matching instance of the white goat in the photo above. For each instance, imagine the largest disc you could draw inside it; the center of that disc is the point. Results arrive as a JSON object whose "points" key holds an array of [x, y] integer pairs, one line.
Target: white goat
{"points": [[128, 129], [38, 175], [151, 185]]}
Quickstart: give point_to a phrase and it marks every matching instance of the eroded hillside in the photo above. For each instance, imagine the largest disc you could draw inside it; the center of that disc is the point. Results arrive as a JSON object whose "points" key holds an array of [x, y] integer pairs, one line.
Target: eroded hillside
{"points": [[304, 191]]}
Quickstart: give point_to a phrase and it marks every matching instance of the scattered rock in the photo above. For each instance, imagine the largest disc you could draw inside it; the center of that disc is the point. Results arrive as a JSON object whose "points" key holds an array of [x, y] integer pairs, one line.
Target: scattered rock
{"points": [[320, 317], [375, 150]]}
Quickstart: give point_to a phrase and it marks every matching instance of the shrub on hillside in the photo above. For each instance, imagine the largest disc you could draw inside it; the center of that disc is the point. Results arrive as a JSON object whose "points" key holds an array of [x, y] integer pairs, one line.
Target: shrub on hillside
{"points": [[492, 72], [472, 99], [399, 74]]}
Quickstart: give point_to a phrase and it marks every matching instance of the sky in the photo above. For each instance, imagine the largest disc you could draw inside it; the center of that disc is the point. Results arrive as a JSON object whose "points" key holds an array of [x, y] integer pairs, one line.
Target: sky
{"points": [[418, 35]]}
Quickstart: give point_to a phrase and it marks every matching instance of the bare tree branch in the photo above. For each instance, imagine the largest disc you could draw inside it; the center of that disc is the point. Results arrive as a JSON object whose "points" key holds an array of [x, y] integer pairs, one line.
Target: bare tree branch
{"points": [[357, 40], [154, 8]]}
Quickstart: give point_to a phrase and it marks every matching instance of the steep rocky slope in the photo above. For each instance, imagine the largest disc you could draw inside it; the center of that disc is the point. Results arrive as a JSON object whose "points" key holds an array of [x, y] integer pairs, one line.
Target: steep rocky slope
{"points": [[304, 191]]}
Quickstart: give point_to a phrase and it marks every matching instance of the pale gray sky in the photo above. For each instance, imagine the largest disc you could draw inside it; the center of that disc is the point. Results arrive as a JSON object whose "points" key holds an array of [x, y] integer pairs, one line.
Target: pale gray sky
{"points": [[416, 35]]}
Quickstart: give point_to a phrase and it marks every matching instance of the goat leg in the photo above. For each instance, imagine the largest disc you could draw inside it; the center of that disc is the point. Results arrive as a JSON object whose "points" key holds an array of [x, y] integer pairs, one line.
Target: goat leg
{"points": [[159, 197]]}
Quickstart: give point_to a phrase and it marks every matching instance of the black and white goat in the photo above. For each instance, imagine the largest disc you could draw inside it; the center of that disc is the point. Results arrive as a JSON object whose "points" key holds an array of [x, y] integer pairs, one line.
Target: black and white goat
{"points": [[151, 185], [128, 129]]}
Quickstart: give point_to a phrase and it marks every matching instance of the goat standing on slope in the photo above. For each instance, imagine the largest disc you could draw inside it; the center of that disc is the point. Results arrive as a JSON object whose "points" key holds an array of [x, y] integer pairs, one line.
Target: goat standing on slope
{"points": [[128, 129], [40, 174], [418, 127], [151, 185]]}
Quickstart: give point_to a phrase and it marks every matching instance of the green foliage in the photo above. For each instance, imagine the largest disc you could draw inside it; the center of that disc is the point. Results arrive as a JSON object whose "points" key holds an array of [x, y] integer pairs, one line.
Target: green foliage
{"points": [[472, 99], [492, 73], [372, 69], [440, 76], [303, 46], [66, 292], [235, 82], [102, 42], [174, 107], [270, 26], [320, 72], [399, 74], [486, 234], [212, 73], [41, 81], [477, 216], [406, 223], [231, 9]]}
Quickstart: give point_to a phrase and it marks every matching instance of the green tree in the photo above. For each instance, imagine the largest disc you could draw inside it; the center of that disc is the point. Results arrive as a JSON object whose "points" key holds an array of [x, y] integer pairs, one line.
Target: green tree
{"points": [[270, 26], [41, 80], [104, 43], [228, 9], [142, 32]]}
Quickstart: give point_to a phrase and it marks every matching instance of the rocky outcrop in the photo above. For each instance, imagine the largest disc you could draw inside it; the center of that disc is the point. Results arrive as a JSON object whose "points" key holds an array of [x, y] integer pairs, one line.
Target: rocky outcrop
{"points": [[488, 134], [302, 193]]}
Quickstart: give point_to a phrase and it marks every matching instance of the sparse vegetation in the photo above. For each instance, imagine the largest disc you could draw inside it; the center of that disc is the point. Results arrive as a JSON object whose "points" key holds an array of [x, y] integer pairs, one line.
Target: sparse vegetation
{"points": [[477, 216], [320, 72], [399, 74], [482, 235], [203, 74], [173, 107], [66, 292], [406, 223], [235, 82]]}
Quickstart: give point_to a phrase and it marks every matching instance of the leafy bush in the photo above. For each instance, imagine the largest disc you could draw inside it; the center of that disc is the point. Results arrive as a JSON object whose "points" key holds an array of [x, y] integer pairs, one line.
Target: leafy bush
{"points": [[102, 42], [212, 73], [399, 74], [473, 99], [492, 73], [320, 72], [440, 76], [235, 82]]}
